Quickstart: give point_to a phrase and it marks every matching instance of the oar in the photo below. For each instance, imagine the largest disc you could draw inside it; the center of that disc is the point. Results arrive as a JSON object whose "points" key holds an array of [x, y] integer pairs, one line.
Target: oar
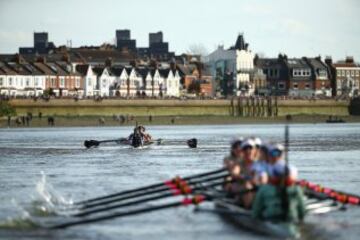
{"points": [[185, 202], [170, 187], [156, 185], [95, 143], [192, 143], [147, 199], [324, 192]]}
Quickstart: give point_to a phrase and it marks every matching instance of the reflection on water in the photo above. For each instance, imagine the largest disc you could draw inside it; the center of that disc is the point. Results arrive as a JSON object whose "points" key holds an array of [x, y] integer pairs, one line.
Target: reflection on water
{"points": [[327, 154]]}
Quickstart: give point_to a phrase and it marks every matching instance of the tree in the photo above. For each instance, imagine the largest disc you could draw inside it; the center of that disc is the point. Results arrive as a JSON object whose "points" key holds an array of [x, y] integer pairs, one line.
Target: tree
{"points": [[197, 49], [6, 109], [194, 87]]}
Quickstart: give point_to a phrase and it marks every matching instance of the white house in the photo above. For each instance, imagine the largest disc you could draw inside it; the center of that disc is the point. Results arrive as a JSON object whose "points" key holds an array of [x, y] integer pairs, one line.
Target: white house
{"points": [[7, 81], [90, 79], [135, 82], [170, 82], [122, 83], [21, 79], [35, 84], [105, 81], [244, 70]]}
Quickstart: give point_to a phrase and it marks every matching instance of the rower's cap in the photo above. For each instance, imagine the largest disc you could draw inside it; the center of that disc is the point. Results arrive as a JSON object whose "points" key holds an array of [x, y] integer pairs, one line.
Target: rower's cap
{"points": [[258, 142], [276, 150], [236, 142], [248, 143]]}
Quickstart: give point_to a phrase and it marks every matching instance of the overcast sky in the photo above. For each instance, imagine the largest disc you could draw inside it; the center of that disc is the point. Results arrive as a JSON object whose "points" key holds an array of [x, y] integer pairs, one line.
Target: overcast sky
{"points": [[297, 28]]}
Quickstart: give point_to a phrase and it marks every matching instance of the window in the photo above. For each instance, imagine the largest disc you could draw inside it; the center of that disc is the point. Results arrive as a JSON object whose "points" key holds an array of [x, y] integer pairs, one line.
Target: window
{"points": [[104, 83], [77, 83], [27, 82], [10, 81], [307, 86], [295, 85], [281, 86], [343, 73], [348, 73], [352, 73], [338, 73], [357, 73], [36, 82], [62, 82], [89, 82], [53, 82], [1, 81]]}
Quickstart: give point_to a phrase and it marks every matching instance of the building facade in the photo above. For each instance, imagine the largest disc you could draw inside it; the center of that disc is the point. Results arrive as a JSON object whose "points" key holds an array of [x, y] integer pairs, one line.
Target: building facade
{"points": [[345, 77]]}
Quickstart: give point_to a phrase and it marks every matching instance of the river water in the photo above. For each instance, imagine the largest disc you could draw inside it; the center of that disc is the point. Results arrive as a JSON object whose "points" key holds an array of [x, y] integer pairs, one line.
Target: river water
{"points": [[324, 153]]}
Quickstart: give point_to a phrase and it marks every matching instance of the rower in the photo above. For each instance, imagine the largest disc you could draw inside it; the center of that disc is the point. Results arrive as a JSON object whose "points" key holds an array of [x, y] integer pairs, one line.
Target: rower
{"points": [[260, 168], [232, 160], [147, 137], [235, 153], [269, 201], [136, 139], [241, 174]]}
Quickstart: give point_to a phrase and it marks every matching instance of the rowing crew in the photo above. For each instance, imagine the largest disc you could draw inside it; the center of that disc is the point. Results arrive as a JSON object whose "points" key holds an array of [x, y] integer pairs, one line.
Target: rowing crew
{"points": [[139, 136], [256, 165]]}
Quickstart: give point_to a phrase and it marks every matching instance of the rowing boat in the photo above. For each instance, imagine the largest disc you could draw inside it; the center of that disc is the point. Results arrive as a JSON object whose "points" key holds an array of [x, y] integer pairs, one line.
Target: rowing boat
{"points": [[191, 143], [243, 219]]}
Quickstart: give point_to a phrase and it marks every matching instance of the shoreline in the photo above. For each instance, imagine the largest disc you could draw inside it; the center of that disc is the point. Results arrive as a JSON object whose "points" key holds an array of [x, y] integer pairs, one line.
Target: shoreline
{"points": [[95, 121]]}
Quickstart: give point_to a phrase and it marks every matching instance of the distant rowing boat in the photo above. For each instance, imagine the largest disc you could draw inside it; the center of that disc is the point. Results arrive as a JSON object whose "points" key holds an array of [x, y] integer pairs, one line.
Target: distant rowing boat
{"points": [[242, 218], [335, 119], [191, 143]]}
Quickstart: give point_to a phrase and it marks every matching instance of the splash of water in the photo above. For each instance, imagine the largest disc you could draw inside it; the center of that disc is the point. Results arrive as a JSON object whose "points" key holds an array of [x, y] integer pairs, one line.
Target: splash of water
{"points": [[21, 222], [50, 200]]}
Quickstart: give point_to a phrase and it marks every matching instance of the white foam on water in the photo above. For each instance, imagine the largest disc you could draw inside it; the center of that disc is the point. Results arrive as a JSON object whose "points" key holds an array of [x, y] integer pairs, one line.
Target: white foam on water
{"points": [[53, 200], [23, 221]]}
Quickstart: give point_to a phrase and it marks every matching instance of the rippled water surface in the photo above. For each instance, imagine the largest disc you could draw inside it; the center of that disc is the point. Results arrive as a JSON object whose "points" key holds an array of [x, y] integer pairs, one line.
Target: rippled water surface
{"points": [[326, 154]]}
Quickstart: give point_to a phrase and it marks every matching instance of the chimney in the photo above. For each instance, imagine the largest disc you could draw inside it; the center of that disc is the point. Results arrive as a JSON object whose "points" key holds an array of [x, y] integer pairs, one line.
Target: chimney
{"points": [[108, 62], [349, 59], [328, 60], [173, 65], [66, 57], [19, 59], [41, 59]]}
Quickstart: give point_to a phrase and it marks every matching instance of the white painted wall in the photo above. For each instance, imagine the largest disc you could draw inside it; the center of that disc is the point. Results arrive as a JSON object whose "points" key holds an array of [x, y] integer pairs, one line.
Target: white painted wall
{"points": [[244, 65]]}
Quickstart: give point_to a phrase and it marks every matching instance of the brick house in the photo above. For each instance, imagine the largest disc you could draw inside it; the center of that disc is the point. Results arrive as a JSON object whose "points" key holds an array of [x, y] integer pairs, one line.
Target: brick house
{"points": [[345, 77], [320, 77]]}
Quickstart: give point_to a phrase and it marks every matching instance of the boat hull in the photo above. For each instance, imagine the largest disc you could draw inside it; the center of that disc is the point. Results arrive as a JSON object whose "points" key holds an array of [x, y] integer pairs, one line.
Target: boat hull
{"points": [[242, 218]]}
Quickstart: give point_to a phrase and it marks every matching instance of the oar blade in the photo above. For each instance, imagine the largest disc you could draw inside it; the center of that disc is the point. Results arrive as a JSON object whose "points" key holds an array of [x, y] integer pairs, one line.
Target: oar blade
{"points": [[91, 143], [192, 143]]}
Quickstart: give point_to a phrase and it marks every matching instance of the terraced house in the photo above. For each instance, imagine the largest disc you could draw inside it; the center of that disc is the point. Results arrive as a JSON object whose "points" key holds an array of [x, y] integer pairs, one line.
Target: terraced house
{"points": [[276, 74], [8, 85], [320, 77], [345, 77], [20, 78]]}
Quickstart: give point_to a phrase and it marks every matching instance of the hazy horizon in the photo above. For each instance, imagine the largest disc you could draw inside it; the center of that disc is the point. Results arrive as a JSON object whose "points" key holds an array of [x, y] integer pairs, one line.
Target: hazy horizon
{"points": [[301, 28]]}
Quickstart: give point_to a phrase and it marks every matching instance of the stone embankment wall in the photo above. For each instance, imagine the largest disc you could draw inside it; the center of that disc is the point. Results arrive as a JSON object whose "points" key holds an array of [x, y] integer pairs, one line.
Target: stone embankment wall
{"points": [[236, 107]]}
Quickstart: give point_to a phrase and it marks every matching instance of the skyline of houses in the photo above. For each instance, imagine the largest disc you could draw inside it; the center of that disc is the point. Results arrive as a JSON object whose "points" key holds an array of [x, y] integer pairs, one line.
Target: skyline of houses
{"points": [[127, 71]]}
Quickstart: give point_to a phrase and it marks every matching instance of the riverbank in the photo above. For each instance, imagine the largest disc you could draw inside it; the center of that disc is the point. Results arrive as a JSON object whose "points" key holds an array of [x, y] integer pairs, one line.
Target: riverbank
{"points": [[236, 107], [167, 120]]}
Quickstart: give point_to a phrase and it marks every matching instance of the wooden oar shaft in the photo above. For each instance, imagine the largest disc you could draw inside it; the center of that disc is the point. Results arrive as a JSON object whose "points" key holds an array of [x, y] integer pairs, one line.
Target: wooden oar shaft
{"points": [[184, 202], [156, 185], [190, 182], [146, 199]]}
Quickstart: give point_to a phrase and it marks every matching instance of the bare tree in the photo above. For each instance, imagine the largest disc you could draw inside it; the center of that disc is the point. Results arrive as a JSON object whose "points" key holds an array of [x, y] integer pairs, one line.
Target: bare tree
{"points": [[197, 49]]}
